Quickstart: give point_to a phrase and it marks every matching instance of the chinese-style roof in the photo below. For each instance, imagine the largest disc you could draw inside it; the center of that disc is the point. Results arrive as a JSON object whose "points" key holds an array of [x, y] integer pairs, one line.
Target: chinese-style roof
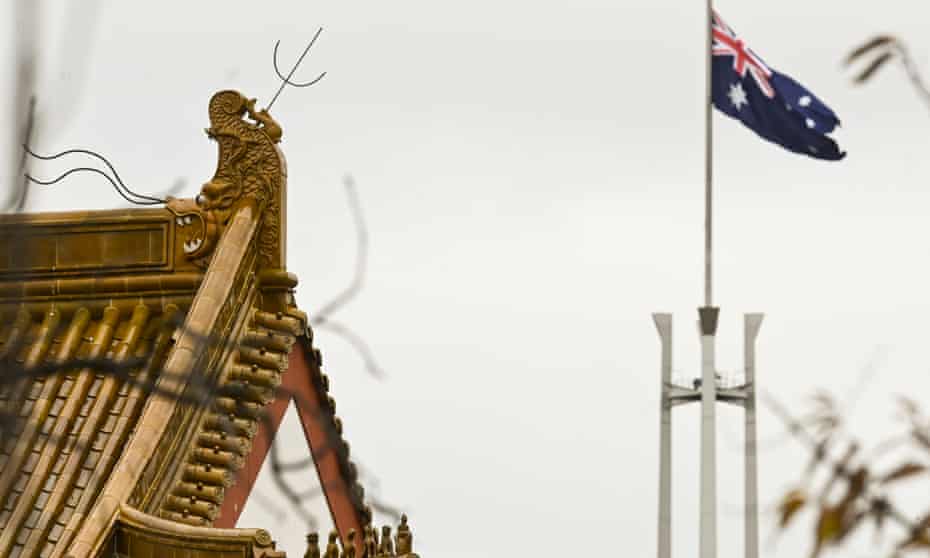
{"points": [[145, 353]]}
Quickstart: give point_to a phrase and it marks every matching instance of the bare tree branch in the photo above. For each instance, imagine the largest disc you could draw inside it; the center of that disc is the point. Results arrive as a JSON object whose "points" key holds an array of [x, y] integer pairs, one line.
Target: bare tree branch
{"points": [[322, 318], [361, 256], [25, 31], [358, 343], [24, 171]]}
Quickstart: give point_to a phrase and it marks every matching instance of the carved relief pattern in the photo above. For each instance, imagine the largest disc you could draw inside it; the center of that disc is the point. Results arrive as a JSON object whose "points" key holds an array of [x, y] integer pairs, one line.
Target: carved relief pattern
{"points": [[179, 429], [250, 170]]}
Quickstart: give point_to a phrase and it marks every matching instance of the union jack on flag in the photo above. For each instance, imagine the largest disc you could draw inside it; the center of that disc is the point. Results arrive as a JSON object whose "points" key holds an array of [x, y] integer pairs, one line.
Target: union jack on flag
{"points": [[770, 103]]}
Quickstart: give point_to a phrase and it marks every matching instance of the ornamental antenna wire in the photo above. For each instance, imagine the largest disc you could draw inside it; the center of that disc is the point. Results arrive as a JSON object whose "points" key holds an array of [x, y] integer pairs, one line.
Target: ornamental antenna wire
{"points": [[286, 80]]}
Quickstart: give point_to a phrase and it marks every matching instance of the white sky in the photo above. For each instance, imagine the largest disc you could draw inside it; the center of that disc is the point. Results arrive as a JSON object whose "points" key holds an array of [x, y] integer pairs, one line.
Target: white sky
{"points": [[532, 177]]}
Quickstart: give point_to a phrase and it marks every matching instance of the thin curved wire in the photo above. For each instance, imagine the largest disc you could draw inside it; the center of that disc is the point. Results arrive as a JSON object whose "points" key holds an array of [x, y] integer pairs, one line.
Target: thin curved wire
{"points": [[100, 157], [287, 80], [98, 171]]}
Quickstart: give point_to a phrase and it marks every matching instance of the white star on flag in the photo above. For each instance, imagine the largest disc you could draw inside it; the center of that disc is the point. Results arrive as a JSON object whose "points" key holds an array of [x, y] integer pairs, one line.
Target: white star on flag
{"points": [[737, 96]]}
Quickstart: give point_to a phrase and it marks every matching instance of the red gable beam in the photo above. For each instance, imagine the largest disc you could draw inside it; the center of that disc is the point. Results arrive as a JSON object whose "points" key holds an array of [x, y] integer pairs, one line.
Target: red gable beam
{"points": [[301, 377]]}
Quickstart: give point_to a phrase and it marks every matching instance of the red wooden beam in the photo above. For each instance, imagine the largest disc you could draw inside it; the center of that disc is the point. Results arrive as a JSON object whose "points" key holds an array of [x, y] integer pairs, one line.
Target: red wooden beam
{"points": [[322, 442], [237, 494]]}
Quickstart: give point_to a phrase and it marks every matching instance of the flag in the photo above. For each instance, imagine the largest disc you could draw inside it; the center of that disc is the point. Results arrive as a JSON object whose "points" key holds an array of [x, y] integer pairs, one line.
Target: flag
{"points": [[770, 103]]}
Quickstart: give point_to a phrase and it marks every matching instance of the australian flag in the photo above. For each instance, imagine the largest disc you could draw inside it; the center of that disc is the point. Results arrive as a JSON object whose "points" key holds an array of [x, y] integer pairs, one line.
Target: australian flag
{"points": [[772, 104]]}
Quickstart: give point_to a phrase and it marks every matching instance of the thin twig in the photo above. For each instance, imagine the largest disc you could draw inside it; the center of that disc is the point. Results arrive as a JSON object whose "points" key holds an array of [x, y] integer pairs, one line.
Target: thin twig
{"points": [[322, 319], [359, 344], [913, 73], [27, 139], [361, 256]]}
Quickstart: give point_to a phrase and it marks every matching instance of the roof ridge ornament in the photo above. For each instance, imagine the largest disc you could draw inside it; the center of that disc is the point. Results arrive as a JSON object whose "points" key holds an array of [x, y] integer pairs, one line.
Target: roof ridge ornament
{"points": [[372, 546], [250, 170]]}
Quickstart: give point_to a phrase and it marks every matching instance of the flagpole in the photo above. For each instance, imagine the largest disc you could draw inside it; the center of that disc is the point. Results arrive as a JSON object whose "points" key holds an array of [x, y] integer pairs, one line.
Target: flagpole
{"points": [[708, 162], [708, 325]]}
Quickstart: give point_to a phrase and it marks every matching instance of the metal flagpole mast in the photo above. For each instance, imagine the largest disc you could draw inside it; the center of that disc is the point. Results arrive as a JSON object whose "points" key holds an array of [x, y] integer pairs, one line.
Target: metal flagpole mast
{"points": [[708, 326], [708, 161]]}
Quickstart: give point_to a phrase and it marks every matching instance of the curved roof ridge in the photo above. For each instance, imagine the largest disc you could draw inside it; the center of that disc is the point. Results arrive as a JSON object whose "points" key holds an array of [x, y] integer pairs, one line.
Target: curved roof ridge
{"points": [[134, 464]]}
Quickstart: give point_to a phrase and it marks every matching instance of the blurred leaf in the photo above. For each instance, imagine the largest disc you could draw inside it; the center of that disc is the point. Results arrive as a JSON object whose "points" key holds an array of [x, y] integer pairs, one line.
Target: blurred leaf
{"points": [[790, 505], [839, 470], [829, 523], [919, 536], [851, 523], [917, 540], [922, 438], [904, 471], [857, 482], [873, 67], [829, 527], [876, 42]]}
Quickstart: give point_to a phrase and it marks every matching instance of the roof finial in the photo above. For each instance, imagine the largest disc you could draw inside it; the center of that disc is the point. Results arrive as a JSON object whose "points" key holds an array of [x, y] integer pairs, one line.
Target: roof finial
{"points": [[386, 548], [405, 539], [369, 544], [332, 549], [349, 547], [313, 546]]}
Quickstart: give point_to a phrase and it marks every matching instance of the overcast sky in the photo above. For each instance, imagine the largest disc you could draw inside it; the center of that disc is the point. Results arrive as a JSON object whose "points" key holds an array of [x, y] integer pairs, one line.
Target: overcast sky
{"points": [[532, 177]]}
